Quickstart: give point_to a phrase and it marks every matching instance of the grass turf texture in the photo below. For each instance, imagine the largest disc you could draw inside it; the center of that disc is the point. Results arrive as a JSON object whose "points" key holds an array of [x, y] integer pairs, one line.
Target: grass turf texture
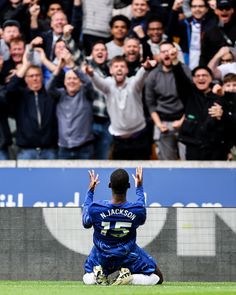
{"points": [[78, 288]]}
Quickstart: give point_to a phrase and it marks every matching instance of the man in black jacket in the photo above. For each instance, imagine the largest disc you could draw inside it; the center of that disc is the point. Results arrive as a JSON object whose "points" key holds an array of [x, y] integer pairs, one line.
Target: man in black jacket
{"points": [[34, 111], [201, 131]]}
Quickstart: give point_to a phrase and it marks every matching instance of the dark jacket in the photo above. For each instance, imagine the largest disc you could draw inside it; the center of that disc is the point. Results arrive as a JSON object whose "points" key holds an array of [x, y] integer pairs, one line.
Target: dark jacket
{"points": [[182, 29], [14, 13], [5, 134], [30, 134], [199, 128], [215, 38], [8, 65], [3, 4], [19, 13], [47, 41], [76, 22], [229, 117]]}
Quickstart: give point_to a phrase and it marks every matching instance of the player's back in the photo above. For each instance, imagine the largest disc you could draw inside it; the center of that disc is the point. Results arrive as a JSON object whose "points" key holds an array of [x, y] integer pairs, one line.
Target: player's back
{"points": [[115, 226]]}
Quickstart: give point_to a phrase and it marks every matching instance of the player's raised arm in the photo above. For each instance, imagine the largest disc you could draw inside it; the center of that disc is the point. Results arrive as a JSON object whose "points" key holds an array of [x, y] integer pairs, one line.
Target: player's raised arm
{"points": [[87, 223], [138, 178], [93, 180]]}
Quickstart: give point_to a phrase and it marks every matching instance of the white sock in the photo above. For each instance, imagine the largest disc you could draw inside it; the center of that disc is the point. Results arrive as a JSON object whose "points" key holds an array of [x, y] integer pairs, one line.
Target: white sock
{"points": [[140, 279], [89, 279]]}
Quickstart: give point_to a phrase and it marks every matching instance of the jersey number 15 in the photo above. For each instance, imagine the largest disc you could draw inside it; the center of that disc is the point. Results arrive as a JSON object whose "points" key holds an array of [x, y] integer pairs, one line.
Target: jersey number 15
{"points": [[120, 229]]}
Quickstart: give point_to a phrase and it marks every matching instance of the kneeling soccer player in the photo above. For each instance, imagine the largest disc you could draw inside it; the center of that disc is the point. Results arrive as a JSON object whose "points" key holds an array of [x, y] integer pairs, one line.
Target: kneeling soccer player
{"points": [[115, 223]]}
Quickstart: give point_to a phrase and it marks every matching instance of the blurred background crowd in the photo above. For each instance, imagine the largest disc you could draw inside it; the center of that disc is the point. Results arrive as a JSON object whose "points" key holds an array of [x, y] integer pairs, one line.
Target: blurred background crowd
{"points": [[118, 79]]}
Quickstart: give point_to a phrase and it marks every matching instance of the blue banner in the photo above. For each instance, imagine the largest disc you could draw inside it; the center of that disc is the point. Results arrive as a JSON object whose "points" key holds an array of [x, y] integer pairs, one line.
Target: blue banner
{"points": [[66, 187]]}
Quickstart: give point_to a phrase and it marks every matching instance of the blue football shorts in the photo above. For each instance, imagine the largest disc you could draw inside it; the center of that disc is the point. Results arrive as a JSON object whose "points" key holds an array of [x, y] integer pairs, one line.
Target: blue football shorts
{"points": [[137, 261]]}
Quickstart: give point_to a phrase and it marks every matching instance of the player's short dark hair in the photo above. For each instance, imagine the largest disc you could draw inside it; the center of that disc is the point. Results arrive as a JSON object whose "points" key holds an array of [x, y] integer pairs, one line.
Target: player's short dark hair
{"points": [[119, 181]]}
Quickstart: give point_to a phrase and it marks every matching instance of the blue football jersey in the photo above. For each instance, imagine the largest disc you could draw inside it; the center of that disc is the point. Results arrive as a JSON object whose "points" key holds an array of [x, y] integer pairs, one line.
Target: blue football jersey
{"points": [[114, 224]]}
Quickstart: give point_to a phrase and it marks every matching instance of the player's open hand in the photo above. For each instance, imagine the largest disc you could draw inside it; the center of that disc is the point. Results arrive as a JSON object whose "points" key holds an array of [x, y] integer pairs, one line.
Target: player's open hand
{"points": [[138, 178], [93, 180]]}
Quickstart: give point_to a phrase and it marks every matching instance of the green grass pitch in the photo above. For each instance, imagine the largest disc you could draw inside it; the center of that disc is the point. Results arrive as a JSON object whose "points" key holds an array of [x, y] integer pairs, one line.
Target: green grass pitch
{"points": [[77, 288]]}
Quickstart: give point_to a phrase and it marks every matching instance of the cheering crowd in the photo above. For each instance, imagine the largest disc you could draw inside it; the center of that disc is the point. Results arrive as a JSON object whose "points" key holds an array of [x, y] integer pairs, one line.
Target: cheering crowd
{"points": [[117, 79]]}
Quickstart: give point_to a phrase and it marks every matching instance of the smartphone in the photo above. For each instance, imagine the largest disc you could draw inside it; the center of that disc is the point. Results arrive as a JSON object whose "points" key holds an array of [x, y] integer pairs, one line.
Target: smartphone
{"points": [[30, 55]]}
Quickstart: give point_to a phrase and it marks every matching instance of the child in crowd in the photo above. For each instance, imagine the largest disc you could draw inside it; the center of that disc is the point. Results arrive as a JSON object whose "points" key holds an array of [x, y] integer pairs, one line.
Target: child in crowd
{"points": [[228, 92]]}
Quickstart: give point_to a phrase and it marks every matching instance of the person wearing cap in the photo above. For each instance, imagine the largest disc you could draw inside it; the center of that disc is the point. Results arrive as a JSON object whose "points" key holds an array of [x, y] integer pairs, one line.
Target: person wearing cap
{"points": [[221, 34], [17, 10], [10, 31]]}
